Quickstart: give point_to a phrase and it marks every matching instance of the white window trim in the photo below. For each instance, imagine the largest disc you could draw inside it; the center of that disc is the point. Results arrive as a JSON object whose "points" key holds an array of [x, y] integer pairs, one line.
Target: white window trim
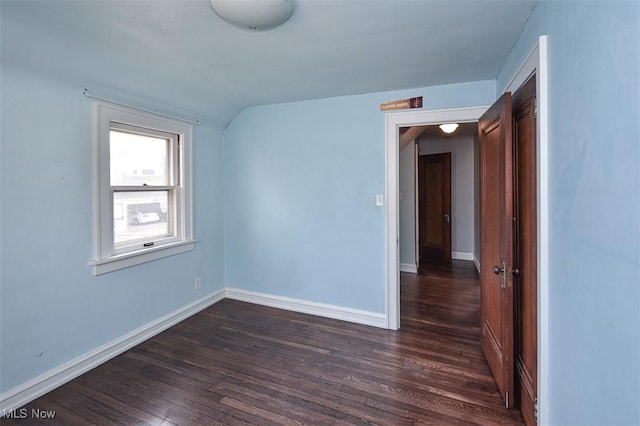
{"points": [[104, 260]]}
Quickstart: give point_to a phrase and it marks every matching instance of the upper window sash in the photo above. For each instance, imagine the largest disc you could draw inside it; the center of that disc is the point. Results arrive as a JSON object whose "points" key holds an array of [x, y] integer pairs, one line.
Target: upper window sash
{"points": [[171, 154]]}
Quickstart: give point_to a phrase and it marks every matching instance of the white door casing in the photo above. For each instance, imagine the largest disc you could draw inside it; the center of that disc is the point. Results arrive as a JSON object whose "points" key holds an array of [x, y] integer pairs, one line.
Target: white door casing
{"points": [[393, 122]]}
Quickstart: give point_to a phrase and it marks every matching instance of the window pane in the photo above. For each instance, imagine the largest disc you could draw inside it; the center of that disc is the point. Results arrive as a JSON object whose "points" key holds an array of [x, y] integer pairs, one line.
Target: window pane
{"points": [[138, 160], [140, 216]]}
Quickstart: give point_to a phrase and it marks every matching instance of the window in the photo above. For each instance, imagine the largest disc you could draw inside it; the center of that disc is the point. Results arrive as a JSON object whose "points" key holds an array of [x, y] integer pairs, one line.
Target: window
{"points": [[142, 174]]}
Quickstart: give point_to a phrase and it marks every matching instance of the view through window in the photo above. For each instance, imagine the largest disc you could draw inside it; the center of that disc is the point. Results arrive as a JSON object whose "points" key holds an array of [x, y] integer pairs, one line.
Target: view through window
{"points": [[141, 179]]}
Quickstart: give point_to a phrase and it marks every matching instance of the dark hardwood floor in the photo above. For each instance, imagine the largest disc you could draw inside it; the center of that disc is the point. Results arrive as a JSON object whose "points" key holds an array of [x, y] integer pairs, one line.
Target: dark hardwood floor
{"points": [[237, 363]]}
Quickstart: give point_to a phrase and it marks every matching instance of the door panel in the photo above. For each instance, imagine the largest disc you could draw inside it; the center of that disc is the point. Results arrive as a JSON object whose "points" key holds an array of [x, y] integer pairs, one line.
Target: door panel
{"points": [[496, 243], [525, 232], [434, 183]]}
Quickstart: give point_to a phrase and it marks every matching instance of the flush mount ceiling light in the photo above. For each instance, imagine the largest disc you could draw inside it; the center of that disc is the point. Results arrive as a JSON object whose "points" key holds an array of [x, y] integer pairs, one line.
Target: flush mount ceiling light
{"points": [[449, 127], [255, 15]]}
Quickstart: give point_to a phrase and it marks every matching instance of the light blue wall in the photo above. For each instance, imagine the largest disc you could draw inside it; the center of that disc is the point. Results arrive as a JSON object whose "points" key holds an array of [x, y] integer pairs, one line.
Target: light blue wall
{"points": [[52, 308], [594, 199], [300, 185]]}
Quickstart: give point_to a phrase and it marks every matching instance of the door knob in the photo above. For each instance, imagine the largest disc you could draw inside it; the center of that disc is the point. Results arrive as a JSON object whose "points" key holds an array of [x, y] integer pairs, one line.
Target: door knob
{"points": [[497, 270], [516, 272]]}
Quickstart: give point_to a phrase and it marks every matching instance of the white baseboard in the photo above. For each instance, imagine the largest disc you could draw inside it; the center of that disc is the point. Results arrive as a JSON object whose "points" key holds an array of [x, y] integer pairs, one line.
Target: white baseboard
{"points": [[303, 306], [24, 393], [407, 267], [477, 262], [18, 396], [459, 255]]}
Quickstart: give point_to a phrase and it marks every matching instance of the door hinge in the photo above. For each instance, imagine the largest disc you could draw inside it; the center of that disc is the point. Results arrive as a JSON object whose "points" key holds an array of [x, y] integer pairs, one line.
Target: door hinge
{"points": [[535, 409], [535, 107]]}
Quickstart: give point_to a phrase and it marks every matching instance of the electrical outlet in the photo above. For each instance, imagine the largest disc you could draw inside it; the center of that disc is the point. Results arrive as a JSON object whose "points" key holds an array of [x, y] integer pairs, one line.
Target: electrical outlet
{"points": [[198, 283]]}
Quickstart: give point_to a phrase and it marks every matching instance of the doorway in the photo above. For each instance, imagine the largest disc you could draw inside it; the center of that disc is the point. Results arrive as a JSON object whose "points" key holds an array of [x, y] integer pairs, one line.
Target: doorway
{"points": [[456, 206], [393, 123], [535, 62]]}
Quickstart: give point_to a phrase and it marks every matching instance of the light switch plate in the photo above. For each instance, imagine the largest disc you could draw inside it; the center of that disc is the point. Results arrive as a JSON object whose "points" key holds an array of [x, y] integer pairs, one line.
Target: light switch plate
{"points": [[379, 200]]}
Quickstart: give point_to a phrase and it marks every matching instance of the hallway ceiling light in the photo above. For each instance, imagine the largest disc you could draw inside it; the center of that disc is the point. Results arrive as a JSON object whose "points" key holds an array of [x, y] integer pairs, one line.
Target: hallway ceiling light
{"points": [[449, 127], [255, 15]]}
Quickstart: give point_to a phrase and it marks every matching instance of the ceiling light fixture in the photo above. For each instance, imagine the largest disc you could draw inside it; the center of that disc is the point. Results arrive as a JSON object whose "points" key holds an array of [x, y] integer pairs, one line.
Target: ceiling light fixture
{"points": [[449, 127], [255, 15]]}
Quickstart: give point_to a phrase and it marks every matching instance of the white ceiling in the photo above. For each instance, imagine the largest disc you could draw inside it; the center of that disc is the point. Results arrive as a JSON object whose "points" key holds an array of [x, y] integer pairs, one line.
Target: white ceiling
{"points": [[179, 53]]}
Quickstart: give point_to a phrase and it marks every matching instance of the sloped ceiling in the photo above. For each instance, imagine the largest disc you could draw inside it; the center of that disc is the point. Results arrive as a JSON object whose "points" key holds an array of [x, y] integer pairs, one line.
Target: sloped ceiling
{"points": [[182, 55]]}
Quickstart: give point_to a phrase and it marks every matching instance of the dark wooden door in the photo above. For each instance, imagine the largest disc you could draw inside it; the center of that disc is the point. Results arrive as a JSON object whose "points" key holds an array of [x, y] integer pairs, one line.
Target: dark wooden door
{"points": [[434, 192], [496, 243], [526, 248]]}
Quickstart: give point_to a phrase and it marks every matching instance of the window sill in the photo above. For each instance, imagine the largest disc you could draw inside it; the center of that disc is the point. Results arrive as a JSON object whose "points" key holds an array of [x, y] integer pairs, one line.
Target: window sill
{"points": [[104, 266]]}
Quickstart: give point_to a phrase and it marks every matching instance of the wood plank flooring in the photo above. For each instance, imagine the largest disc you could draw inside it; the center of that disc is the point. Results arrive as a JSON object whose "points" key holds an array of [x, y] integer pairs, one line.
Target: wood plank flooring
{"points": [[237, 363]]}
